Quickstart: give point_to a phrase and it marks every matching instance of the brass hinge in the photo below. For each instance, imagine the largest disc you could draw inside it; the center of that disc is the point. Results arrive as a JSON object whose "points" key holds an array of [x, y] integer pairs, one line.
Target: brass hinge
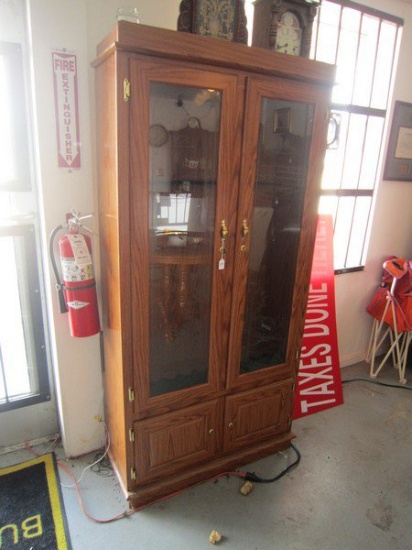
{"points": [[131, 394], [131, 435], [132, 473], [126, 89]]}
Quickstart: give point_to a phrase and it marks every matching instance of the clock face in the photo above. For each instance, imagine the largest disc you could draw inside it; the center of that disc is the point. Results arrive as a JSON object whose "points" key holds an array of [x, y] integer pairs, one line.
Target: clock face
{"points": [[193, 123], [158, 135], [289, 34]]}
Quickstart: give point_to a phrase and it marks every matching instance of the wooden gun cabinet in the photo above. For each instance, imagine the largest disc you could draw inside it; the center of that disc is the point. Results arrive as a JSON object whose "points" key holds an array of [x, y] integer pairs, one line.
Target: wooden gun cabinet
{"points": [[209, 161]]}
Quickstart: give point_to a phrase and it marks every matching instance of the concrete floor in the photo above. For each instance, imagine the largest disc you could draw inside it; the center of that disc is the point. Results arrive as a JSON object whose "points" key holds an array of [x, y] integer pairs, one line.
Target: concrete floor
{"points": [[352, 489]]}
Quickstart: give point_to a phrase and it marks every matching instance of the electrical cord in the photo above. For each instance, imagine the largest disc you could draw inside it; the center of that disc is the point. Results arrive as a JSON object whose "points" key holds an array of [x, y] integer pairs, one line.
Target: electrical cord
{"points": [[49, 449], [102, 466], [97, 460], [377, 382], [250, 476]]}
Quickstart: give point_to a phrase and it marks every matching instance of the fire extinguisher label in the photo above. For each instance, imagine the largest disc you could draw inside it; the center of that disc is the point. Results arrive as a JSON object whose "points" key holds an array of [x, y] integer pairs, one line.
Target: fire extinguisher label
{"points": [[72, 273], [75, 304], [80, 250]]}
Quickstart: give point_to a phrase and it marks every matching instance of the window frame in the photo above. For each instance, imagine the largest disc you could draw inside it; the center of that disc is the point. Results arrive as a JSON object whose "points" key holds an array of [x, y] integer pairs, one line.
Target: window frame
{"points": [[13, 58], [367, 111], [29, 284]]}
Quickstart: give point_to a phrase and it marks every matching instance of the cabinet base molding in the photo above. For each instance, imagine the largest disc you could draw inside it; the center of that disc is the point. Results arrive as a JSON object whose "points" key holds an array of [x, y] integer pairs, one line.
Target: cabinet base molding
{"points": [[157, 490]]}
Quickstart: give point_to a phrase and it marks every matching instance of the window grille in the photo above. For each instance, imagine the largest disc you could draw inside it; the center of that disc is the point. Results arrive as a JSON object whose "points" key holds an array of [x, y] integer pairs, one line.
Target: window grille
{"points": [[363, 43]]}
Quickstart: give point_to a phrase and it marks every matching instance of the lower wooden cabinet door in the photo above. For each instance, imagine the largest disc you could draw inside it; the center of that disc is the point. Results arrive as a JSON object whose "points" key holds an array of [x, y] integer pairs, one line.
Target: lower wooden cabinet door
{"points": [[175, 441], [257, 415]]}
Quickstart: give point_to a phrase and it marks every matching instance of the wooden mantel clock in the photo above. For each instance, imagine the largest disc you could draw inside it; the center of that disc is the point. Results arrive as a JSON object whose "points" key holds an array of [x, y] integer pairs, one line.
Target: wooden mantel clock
{"points": [[223, 19], [284, 25]]}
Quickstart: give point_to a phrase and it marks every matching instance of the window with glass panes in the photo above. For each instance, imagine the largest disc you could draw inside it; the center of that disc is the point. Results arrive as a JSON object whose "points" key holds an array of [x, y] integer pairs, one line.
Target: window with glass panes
{"points": [[24, 377], [363, 43]]}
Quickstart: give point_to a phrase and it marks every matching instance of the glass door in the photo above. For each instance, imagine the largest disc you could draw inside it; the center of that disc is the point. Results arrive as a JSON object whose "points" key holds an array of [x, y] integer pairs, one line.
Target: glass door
{"points": [[183, 161], [271, 228], [189, 121]]}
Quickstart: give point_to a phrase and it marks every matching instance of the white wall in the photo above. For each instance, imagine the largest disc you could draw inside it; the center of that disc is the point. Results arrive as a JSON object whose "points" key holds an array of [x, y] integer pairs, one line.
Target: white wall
{"points": [[78, 25], [58, 25]]}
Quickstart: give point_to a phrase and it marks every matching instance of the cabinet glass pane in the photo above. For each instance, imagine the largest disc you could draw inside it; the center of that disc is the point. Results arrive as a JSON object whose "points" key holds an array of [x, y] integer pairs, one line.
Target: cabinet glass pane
{"points": [[284, 143], [184, 124]]}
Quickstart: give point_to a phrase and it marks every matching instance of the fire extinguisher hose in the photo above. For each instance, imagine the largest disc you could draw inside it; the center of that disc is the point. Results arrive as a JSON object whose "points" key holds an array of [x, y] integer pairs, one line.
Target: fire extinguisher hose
{"points": [[59, 285]]}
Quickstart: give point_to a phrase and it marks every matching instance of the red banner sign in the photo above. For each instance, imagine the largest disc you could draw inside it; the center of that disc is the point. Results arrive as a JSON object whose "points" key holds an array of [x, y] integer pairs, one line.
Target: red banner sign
{"points": [[319, 385], [67, 110]]}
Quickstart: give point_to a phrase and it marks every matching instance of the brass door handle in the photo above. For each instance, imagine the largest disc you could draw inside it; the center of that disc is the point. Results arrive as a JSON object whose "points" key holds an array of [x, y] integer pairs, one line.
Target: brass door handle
{"points": [[224, 231], [245, 228]]}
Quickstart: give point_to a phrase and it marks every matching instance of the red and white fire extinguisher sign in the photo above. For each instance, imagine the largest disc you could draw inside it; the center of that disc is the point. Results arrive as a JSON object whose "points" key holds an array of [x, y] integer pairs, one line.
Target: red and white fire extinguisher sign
{"points": [[77, 285]]}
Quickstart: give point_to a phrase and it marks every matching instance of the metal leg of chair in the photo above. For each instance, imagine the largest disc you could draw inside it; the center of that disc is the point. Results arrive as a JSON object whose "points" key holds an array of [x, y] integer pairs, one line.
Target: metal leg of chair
{"points": [[407, 336], [377, 342], [381, 332], [392, 350], [395, 343], [369, 351]]}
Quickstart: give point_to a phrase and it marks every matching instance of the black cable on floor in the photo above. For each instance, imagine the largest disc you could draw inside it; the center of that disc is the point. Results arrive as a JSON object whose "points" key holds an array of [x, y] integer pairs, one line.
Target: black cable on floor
{"points": [[377, 382], [250, 476]]}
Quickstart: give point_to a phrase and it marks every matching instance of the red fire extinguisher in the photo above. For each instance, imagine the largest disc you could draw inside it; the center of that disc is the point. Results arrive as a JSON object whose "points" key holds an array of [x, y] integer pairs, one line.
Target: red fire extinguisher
{"points": [[77, 286]]}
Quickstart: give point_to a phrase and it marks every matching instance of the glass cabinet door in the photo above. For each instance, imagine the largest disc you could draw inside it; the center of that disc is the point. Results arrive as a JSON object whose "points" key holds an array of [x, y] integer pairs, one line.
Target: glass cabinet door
{"points": [[281, 122], [283, 151], [181, 192], [183, 160]]}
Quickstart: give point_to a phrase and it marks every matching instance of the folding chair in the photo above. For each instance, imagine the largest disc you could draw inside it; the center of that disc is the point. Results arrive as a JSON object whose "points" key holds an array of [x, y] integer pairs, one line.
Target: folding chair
{"points": [[391, 308]]}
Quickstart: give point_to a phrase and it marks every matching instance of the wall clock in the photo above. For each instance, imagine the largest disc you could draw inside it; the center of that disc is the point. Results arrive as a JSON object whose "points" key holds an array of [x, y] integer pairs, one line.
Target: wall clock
{"points": [[193, 123], [158, 135], [223, 19], [284, 25]]}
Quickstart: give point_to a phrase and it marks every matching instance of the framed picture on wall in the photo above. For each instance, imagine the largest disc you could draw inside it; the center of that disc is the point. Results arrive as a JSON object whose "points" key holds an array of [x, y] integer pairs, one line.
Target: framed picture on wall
{"points": [[224, 19], [398, 165]]}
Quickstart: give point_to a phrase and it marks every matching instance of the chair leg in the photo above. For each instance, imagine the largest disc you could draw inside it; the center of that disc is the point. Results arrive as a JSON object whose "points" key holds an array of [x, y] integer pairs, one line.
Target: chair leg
{"points": [[395, 340], [407, 336], [380, 334], [392, 351]]}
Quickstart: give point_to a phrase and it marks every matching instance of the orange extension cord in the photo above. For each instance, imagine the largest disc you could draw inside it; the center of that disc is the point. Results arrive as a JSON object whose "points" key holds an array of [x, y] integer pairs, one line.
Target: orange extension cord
{"points": [[126, 513], [132, 511]]}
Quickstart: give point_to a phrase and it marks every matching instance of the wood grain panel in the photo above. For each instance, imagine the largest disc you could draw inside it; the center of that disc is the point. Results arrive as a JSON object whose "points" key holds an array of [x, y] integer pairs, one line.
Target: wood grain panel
{"points": [[257, 415], [109, 256], [211, 51], [172, 443], [156, 489]]}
